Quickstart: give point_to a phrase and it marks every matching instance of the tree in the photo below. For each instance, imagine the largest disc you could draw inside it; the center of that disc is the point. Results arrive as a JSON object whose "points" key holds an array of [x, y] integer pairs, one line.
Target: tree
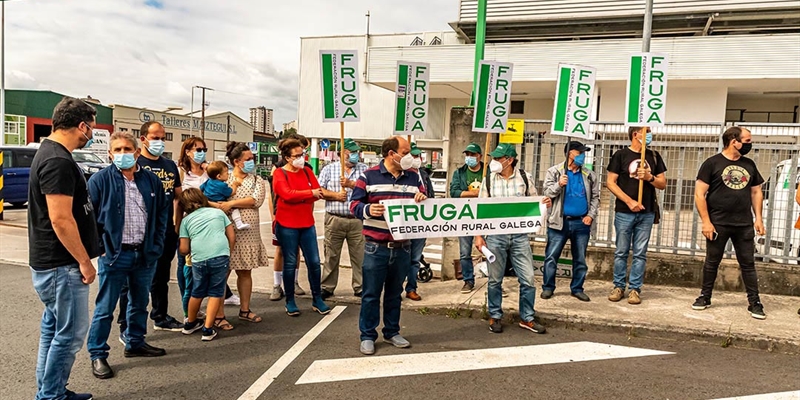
{"points": [[290, 131]]}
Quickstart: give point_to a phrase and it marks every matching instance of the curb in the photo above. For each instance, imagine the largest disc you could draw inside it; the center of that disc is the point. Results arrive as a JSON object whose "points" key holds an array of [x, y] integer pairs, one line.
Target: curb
{"points": [[631, 330]]}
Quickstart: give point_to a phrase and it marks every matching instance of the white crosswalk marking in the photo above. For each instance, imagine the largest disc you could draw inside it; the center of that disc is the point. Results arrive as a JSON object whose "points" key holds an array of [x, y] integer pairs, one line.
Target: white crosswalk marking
{"points": [[466, 360], [769, 396]]}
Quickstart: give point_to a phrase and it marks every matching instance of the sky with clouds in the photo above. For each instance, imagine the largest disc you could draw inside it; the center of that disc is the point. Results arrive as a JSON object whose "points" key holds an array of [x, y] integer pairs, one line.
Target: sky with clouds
{"points": [[149, 53]]}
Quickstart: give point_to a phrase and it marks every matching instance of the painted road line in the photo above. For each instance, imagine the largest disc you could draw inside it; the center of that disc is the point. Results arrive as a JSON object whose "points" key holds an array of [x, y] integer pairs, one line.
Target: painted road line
{"points": [[263, 382], [434, 247], [466, 360], [769, 396]]}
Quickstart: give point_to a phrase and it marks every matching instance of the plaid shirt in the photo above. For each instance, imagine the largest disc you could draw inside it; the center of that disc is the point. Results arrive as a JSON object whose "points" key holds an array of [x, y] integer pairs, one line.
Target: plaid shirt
{"points": [[329, 179], [135, 215], [514, 186]]}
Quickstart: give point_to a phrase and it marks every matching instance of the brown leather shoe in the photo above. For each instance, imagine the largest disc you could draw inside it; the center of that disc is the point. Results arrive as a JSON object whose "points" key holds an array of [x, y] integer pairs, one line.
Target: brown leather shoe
{"points": [[413, 296]]}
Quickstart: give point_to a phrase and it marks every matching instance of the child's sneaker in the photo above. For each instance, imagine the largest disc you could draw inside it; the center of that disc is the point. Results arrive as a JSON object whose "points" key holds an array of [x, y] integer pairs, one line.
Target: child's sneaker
{"points": [[192, 327], [209, 334], [236, 216]]}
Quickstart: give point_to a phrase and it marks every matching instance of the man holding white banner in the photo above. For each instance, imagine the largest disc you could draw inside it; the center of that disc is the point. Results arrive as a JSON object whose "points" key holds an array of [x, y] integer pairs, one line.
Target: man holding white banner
{"points": [[386, 260], [576, 197], [506, 180]]}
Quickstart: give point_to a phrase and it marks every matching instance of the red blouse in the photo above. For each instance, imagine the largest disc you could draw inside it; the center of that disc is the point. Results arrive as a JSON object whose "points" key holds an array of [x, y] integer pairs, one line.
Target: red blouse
{"points": [[295, 207]]}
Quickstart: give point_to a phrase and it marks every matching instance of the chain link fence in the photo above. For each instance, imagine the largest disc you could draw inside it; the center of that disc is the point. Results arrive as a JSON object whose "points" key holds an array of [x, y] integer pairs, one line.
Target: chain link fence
{"points": [[684, 147]]}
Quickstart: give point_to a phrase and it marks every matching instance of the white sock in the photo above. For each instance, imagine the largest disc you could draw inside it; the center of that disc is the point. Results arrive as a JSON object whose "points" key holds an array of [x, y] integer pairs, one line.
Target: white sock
{"points": [[296, 275], [278, 278]]}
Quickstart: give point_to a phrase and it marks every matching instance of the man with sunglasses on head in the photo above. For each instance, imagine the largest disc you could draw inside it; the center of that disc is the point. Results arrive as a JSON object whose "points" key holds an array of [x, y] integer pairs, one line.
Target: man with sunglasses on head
{"points": [[633, 221], [727, 194]]}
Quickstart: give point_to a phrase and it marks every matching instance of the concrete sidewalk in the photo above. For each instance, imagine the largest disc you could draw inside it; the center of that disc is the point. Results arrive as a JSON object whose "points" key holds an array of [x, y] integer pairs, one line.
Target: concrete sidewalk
{"points": [[665, 311]]}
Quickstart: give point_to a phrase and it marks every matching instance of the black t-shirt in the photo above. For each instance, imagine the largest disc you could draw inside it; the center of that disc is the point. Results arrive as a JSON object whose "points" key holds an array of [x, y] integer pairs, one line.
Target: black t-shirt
{"points": [[53, 171], [728, 198], [625, 163], [167, 171]]}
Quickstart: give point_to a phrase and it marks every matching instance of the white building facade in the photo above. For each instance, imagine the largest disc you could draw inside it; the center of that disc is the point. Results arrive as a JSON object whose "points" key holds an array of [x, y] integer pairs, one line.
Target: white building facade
{"points": [[733, 60]]}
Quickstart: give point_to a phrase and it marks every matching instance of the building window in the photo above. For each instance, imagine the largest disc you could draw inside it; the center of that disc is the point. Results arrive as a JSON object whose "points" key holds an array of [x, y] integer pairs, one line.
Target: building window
{"points": [[135, 132], [517, 106], [123, 129], [168, 136], [184, 137]]}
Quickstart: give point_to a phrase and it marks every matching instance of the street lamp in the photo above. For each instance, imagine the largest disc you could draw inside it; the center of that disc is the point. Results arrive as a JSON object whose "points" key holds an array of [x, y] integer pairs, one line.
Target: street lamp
{"points": [[172, 109]]}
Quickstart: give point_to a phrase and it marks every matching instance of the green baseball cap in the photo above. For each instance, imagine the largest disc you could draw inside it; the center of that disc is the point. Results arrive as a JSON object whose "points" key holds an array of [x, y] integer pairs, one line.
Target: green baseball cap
{"points": [[504, 150], [473, 148], [415, 151], [351, 145]]}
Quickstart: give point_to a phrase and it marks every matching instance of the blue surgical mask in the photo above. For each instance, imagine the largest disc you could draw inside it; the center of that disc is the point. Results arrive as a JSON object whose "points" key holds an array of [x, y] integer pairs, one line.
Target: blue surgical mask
{"points": [[249, 167], [648, 138], [471, 161], [156, 148], [89, 141], [353, 159], [579, 159], [199, 157], [124, 161]]}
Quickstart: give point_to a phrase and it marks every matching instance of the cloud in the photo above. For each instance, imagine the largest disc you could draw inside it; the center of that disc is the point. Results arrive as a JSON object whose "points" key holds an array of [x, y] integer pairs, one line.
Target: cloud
{"points": [[150, 53]]}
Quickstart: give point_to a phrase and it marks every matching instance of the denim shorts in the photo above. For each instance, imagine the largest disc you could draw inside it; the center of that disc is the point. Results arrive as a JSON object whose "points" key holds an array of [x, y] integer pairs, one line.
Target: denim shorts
{"points": [[208, 277]]}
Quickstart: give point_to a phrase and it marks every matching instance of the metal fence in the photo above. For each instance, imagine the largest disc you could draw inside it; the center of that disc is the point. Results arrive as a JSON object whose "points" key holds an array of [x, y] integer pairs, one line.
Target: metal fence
{"points": [[684, 147]]}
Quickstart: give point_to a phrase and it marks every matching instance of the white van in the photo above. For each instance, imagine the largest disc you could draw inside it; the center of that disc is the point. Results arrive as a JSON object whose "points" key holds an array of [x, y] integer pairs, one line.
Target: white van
{"points": [[780, 213]]}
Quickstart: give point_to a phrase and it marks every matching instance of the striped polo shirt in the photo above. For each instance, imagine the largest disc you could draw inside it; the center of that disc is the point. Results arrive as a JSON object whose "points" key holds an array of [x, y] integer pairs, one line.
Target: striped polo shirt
{"points": [[378, 184]]}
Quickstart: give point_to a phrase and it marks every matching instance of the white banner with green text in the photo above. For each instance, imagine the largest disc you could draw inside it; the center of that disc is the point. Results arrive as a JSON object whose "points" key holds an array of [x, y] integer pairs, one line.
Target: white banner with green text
{"points": [[464, 217]]}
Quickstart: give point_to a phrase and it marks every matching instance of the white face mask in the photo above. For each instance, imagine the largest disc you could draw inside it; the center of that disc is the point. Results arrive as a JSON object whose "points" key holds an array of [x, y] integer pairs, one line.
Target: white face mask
{"points": [[417, 163], [496, 166], [299, 162], [406, 162]]}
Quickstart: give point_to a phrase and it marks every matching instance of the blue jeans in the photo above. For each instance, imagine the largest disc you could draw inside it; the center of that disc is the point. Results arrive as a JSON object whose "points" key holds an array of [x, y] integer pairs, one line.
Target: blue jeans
{"points": [[632, 229], [417, 245], [465, 258], [64, 324], [130, 268], [577, 233], [306, 239], [518, 248], [383, 268], [185, 281], [209, 277]]}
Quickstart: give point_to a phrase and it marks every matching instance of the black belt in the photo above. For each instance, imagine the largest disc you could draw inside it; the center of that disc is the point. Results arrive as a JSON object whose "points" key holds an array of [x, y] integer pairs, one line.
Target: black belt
{"points": [[132, 247], [568, 218], [343, 216], [391, 245]]}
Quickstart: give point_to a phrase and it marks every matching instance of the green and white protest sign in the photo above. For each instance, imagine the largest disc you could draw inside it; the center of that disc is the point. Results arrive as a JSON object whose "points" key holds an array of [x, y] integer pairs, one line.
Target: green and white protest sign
{"points": [[574, 97], [463, 217], [646, 102], [411, 100], [339, 86], [493, 97]]}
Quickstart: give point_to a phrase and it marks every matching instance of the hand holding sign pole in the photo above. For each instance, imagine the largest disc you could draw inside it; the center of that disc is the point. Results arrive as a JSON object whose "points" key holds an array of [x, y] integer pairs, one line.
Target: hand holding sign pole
{"points": [[646, 100], [340, 101]]}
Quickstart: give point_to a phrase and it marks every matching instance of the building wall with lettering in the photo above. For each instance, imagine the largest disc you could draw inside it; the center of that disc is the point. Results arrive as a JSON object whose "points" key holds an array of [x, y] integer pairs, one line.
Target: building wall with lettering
{"points": [[181, 127]]}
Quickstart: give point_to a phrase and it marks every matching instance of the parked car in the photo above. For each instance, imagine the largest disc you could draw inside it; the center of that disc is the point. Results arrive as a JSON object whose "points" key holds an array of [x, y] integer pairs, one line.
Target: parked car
{"points": [[17, 169], [439, 180], [16, 173], [783, 209]]}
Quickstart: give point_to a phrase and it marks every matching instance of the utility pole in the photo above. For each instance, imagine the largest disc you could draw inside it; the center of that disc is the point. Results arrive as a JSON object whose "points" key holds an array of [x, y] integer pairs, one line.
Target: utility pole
{"points": [[228, 131], [3, 78], [480, 40], [203, 112]]}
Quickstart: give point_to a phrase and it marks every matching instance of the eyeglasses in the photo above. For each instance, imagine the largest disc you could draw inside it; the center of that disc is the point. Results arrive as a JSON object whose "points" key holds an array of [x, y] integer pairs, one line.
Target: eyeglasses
{"points": [[203, 149], [297, 155]]}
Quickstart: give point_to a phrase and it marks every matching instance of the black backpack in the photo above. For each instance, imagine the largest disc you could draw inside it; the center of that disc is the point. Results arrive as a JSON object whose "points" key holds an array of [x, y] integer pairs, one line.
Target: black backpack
{"points": [[524, 179]]}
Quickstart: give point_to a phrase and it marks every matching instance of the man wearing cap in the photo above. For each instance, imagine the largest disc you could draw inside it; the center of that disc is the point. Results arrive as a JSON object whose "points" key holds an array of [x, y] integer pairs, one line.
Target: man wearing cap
{"points": [[466, 182], [417, 245], [340, 224], [576, 199], [506, 180]]}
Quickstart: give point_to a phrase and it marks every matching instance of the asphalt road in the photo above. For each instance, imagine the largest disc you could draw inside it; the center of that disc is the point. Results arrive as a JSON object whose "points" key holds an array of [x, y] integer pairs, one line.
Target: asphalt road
{"points": [[226, 367]]}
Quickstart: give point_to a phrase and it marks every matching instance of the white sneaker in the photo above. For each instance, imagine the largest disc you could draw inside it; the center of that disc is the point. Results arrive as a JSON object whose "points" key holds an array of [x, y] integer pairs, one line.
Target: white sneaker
{"points": [[233, 301], [241, 225]]}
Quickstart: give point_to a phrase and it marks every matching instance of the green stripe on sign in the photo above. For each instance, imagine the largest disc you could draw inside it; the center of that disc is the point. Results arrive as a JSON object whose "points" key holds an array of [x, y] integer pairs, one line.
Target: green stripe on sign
{"points": [[508, 210], [400, 112], [327, 85], [483, 92], [635, 90], [563, 98]]}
